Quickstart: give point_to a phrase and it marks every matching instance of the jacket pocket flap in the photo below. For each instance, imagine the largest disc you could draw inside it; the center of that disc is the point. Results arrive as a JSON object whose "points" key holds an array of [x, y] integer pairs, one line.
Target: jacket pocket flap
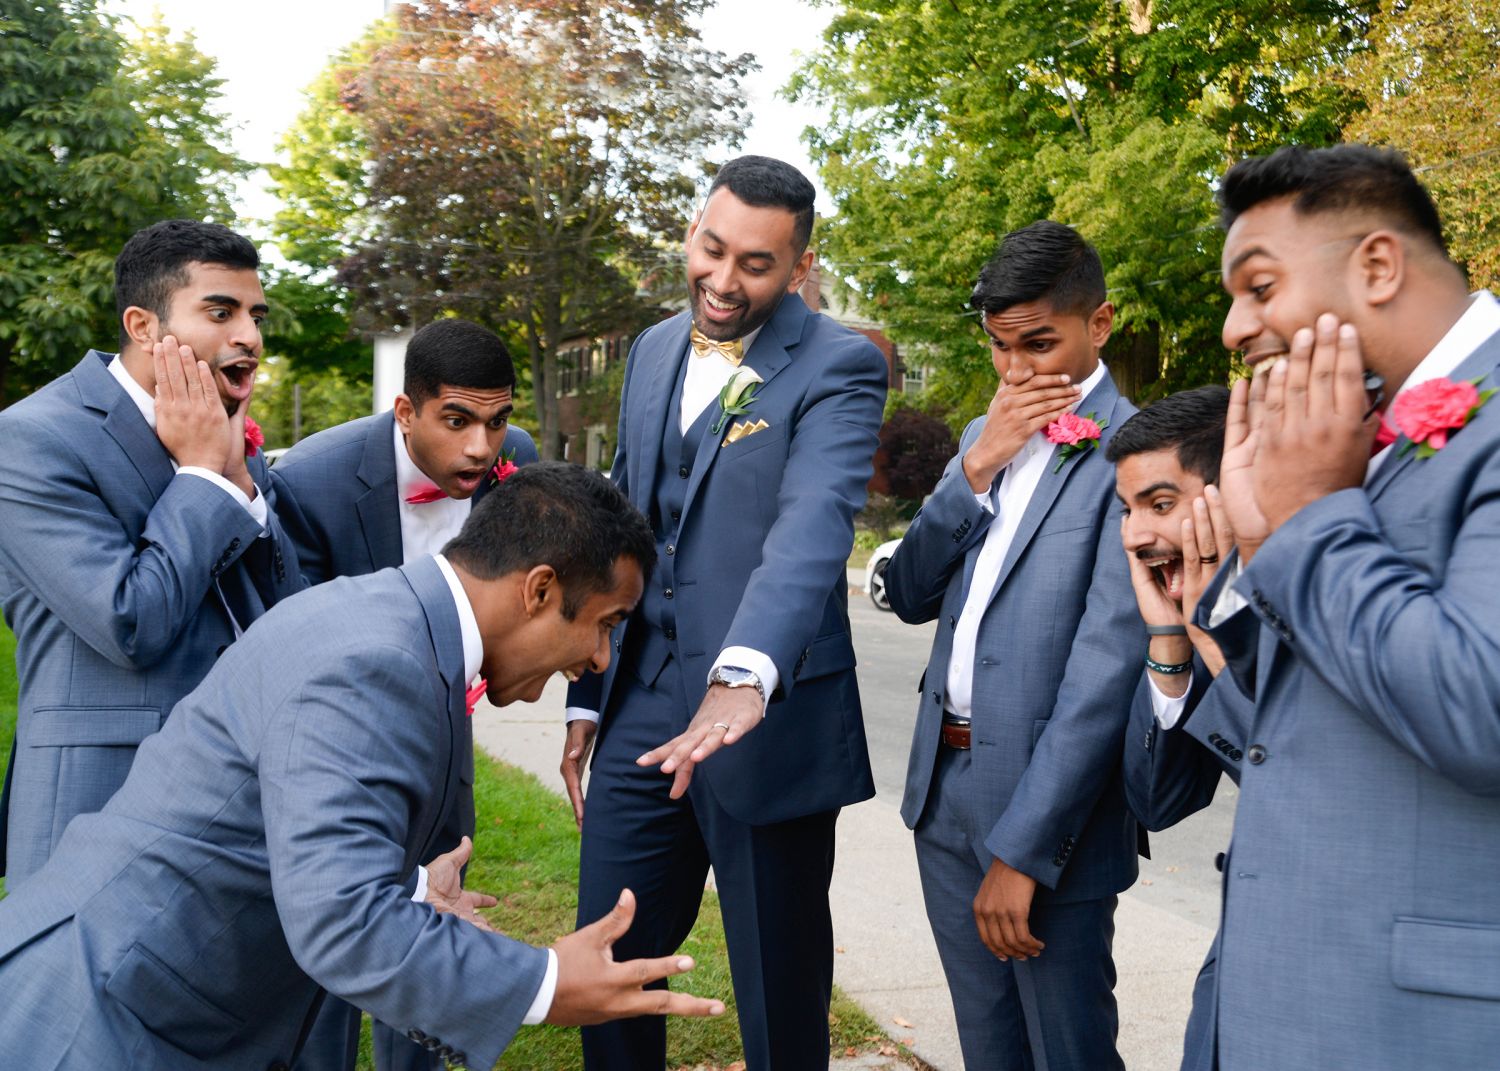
{"points": [[90, 726], [829, 654], [169, 1007], [1459, 959]]}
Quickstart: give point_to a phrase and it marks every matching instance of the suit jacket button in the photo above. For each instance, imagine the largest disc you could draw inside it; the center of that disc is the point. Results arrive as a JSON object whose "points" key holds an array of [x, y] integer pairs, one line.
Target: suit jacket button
{"points": [[416, 1035], [1214, 738], [677, 514], [1235, 754], [667, 593], [617, 645], [1219, 862], [952, 621], [234, 544], [671, 549], [1257, 754], [683, 472], [669, 633]]}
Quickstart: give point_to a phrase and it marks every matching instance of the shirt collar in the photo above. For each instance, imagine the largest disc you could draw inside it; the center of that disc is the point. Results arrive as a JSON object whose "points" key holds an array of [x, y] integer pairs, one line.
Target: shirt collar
{"points": [[409, 478], [1479, 321], [468, 624], [134, 391], [1095, 378]]}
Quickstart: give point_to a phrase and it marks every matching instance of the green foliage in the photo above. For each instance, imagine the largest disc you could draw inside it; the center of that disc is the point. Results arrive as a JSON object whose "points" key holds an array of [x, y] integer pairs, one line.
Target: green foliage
{"points": [[1432, 81], [914, 448], [951, 124], [328, 398], [98, 138]]}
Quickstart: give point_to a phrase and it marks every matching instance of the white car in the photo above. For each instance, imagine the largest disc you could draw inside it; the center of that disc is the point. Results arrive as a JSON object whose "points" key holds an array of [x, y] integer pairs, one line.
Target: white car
{"points": [[875, 573]]}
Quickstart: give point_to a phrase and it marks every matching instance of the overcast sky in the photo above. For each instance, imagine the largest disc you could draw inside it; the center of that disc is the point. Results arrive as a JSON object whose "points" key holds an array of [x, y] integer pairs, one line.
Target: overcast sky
{"points": [[269, 52]]}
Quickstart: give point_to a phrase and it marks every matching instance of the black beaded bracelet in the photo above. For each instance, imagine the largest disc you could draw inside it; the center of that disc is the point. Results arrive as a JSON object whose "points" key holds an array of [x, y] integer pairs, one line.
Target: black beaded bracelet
{"points": [[1166, 630], [1163, 667]]}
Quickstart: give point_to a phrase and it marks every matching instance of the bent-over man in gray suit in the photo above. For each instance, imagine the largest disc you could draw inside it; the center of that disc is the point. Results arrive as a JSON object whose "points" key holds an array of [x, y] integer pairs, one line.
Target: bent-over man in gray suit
{"points": [[1023, 836], [260, 846], [138, 535]]}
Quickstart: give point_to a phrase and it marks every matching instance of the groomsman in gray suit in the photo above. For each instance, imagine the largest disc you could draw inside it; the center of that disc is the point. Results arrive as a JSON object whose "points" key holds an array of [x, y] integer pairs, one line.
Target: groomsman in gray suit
{"points": [[1361, 923], [138, 536], [1023, 836], [388, 489], [260, 846]]}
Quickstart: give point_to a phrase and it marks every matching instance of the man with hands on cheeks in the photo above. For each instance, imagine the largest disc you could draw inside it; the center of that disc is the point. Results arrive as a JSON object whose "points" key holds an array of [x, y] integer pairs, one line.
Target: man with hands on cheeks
{"points": [[137, 534], [747, 432], [1358, 616], [1023, 836]]}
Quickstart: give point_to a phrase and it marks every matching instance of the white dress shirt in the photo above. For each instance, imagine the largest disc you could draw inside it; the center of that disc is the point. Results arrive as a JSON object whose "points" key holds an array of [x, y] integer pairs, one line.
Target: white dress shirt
{"points": [[1008, 500], [702, 382], [468, 627], [256, 506], [1479, 321], [426, 527]]}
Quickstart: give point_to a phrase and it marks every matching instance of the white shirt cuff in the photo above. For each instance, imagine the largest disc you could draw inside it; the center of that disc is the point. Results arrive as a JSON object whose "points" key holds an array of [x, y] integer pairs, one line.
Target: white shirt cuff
{"points": [[543, 1002], [421, 893], [256, 506], [581, 714], [1168, 710], [756, 662], [986, 500], [1230, 602]]}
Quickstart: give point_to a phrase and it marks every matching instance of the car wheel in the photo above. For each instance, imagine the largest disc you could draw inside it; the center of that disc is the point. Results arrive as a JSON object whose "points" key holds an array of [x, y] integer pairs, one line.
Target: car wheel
{"points": [[877, 586]]}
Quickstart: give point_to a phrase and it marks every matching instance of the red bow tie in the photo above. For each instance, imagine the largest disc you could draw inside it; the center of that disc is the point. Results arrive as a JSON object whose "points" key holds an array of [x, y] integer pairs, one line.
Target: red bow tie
{"points": [[474, 695], [1384, 436], [431, 492]]}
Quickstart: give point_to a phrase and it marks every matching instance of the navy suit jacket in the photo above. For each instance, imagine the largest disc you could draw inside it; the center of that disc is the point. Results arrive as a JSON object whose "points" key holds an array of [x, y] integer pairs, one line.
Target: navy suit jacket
{"points": [[338, 496], [762, 548], [308, 775], [1361, 917], [108, 563], [1056, 662]]}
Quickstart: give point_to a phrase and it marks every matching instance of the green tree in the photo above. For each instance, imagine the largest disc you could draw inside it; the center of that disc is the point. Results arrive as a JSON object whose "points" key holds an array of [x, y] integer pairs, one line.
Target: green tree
{"points": [[98, 138], [520, 158], [1432, 83], [954, 122]]}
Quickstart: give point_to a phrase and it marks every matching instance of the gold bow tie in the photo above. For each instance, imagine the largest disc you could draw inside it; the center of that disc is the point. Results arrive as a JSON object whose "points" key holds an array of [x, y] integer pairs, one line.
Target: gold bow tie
{"points": [[732, 351]]}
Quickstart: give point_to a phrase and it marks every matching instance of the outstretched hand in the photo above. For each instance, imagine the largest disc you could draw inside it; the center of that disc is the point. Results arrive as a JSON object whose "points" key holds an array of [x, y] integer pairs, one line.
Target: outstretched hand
{"points": [[445, 891], [725, 715], [593, 988]]}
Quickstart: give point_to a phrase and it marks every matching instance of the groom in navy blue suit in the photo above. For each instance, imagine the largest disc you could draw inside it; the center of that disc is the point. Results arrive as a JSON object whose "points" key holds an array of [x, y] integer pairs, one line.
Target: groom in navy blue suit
{"points": [[747, 429]]}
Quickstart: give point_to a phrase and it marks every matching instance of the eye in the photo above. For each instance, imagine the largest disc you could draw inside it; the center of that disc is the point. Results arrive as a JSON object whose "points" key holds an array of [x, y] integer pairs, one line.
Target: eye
{"points": [[499, 422], [218, 314], [455, 422], [1164, 505], [1259, 292], [1042, 345]]}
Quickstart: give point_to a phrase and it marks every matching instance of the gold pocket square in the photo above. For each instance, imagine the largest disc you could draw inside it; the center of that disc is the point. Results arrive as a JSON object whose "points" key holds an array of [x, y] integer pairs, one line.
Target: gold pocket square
{"points": [[743, 430]]}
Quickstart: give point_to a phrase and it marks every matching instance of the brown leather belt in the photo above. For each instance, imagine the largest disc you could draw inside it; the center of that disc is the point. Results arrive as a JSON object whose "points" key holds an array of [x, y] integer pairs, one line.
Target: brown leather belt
{"points": [[956, 735]]}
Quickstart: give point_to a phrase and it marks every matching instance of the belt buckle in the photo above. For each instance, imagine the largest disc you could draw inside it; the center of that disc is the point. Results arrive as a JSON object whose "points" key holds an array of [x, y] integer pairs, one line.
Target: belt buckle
{"points": [[956, 735]]}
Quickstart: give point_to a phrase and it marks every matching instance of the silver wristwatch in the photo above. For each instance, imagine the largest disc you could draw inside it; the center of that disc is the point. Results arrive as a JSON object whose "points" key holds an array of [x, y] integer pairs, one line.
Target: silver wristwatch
{"points": [[737, 677]]}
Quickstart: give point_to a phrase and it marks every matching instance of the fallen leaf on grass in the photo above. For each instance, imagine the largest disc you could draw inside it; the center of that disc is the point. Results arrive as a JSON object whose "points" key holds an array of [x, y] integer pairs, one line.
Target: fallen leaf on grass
{"points": [[888, 1049], [902, 1022]]}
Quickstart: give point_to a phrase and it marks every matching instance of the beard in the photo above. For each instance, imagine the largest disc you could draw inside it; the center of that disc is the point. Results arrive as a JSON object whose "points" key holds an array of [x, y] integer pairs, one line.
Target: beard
{"points": [[750, 316]]}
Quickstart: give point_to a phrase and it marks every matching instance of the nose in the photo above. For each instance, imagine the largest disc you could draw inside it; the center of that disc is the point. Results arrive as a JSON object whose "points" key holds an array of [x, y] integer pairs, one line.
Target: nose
{"points": [[600, 662], [245, 334], [1241, 326], [1018, 369], [723, 278], [477, 443], [1138, 533]]}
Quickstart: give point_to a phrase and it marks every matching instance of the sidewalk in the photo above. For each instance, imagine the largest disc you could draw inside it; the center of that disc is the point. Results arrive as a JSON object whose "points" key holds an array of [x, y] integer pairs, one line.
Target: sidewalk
{"points": [[885, 957]]}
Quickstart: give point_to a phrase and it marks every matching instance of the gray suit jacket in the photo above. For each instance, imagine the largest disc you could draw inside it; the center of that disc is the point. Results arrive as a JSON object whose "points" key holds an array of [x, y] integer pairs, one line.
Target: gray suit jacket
{"points": [[1056, 662], [761, 550], [107, 570], [1362, 919], [336, 494], [257, 851]]}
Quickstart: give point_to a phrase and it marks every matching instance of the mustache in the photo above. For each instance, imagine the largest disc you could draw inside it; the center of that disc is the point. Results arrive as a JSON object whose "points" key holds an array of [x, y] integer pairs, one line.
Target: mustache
{"points": [[1158, 552]]}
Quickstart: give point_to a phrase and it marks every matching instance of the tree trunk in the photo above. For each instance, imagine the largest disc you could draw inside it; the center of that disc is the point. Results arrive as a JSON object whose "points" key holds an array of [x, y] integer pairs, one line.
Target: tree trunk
{"points": [[552, 436], [1134, 358]]}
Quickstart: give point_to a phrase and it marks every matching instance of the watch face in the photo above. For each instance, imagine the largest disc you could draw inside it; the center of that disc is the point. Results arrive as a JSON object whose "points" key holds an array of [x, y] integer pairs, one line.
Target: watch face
{"points": [[735, 675]]}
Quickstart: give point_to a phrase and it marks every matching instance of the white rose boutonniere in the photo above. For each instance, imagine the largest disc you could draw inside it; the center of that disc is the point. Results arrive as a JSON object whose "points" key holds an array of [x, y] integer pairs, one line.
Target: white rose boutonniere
{"points": [[737, 396]]}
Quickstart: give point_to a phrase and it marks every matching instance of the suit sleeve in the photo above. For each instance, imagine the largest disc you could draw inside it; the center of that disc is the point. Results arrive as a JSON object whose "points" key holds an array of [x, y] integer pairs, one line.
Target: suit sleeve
{"points": [[1419, 657], [1079, 751], [128, 600], [272, 560], [524, 446], [934, 546], [340, 804], [293, 482], [806, 551], [1170, 774]]}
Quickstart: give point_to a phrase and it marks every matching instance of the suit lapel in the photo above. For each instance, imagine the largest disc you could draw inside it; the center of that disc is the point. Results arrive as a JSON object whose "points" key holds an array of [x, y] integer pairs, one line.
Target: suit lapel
{"points": [[379, 516], [658, 385], [1102, 398], [768, 356], [123, 422], [431, 589], [1478, 364]]}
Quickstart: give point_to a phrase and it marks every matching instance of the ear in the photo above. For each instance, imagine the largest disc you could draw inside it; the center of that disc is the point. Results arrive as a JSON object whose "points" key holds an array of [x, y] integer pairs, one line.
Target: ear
{"points": [[1380, 267], [799, 272], [693, 227], [405, 413], [142, 327], [1101, 323], [540, 590]]}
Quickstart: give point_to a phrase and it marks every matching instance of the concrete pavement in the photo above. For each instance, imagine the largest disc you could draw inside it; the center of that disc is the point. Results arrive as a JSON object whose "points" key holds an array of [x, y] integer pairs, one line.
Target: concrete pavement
{"points": [[886, 959]]}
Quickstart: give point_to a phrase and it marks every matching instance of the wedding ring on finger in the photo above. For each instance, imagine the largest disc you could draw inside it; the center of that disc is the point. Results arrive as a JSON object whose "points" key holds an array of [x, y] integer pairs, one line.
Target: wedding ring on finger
{"points": [[1208, 561], [720, 725]]}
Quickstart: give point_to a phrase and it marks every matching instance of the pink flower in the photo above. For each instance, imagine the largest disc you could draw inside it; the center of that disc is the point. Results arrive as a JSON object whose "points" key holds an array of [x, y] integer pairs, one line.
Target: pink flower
{"points": [[503, 470], [254, 437], [1427, 413], [1072, 429]]}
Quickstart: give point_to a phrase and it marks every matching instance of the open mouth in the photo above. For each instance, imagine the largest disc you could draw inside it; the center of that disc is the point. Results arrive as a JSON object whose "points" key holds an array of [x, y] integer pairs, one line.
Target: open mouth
{"points": [[237, 377], [717, 308], [468, 479], [1258, 357], [1168, 571]]}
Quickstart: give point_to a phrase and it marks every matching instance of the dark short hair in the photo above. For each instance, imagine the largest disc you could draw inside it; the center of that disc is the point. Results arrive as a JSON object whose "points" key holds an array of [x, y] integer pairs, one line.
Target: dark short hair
{"points": [[559, 514], [1190, 422], [154, 263], [1043, 261], [763, 182], [455, 353], [1340, 178]]}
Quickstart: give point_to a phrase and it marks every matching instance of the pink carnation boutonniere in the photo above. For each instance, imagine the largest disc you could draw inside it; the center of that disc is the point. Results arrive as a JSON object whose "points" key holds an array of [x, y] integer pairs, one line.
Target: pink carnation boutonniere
{"points": [[504, 468], [1074, 435], [254, 437], [1431, 412]]}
